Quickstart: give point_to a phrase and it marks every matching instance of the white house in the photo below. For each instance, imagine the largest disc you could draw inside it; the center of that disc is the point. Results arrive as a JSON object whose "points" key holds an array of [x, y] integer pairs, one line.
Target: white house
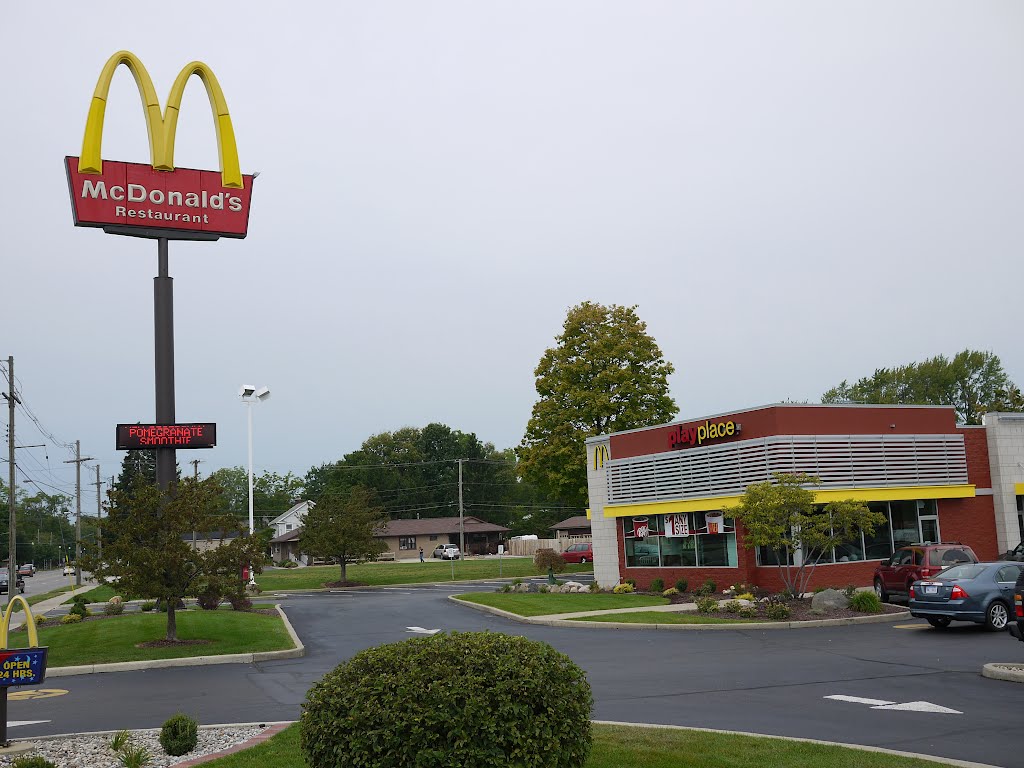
{"points": [[284, 545]]}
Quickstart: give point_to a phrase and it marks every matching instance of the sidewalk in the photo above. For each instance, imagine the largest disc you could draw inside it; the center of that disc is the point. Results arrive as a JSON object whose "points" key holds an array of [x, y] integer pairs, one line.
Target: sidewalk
{"points": [[45, 606]]}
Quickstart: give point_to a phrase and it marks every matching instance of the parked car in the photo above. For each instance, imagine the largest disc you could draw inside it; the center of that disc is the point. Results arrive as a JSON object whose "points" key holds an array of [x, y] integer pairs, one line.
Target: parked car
{"points": [[5, 579], [28, 569], [69, 570], [1017, 628], [917, 561], [582, 552], [447, 552], [1017, 553], [978, 592]]}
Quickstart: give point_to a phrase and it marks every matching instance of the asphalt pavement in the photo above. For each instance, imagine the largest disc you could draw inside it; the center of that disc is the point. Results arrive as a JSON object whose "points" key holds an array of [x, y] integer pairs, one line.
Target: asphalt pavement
{"points": [[897, 685]]}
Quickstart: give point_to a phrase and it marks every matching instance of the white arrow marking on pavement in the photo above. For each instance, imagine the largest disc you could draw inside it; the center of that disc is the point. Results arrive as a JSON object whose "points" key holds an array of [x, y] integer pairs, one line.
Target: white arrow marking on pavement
{"points": [[910, 706], [922, 706], [422, 631], [859, 700], [26, 722]]}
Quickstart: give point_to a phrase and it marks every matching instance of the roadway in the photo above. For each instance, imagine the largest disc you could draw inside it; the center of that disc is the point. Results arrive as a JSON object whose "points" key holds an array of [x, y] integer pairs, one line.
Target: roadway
{"points": [[762, 681]]}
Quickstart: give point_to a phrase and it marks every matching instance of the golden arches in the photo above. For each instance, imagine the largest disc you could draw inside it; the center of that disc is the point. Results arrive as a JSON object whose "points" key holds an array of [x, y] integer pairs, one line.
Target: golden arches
{"points": [[601, 455], [161, 126], [30, 622]]}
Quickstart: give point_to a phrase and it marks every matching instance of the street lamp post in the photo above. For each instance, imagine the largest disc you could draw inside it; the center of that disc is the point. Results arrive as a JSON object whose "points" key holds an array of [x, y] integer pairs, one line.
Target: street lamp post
{"points": [[250, 395]]}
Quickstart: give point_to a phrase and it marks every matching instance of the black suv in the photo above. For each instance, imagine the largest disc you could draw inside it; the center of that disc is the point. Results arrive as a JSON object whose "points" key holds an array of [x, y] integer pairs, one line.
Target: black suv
{"points": [[1017, 628]]}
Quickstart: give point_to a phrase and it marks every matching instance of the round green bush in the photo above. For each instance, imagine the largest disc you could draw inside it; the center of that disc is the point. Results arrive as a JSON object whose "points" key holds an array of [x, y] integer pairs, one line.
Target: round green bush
{"points": [[113, 609], [480, 699], [657, 585], [777, 611], [747, 612], [71, 618], [149, 605], [682, 585], [866, 602], [707, 604], [179, 735]]}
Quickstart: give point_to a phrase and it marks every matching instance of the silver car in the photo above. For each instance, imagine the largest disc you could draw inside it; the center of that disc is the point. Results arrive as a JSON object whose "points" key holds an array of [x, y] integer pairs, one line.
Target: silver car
{"points": [[447, 552], [978, 592]]}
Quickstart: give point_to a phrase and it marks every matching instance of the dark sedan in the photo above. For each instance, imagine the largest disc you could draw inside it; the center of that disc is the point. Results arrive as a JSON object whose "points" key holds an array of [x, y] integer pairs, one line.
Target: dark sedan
{"points": [[4, 578], [978, 592]]}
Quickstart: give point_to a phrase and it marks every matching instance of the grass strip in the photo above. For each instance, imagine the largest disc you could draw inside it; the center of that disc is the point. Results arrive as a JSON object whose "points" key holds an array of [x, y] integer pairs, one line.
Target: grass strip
{"points": [[617, 746], [540, 604], [98, 594], [384, 574], [113, 639], [657, 617]]}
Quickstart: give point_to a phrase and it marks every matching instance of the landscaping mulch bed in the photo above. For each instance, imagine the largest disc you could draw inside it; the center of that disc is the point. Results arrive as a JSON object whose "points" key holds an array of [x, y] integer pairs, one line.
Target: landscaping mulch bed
{"points": [[799, 610]]}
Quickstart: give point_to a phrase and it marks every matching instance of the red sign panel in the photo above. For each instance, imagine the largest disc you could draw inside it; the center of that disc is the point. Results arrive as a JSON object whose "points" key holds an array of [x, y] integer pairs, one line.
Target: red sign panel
{"points": [[135, 195], [149, 436]]}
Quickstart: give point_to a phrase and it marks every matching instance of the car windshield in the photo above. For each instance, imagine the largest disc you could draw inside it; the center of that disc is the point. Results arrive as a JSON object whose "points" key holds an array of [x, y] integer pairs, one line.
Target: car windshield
{"points": [[965, 571], [946, 557]]}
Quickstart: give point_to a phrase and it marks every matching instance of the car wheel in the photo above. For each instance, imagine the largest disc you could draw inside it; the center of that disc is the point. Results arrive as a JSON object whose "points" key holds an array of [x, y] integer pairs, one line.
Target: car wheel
{"points": [[997, 616], [880, 591], [939, 622]]}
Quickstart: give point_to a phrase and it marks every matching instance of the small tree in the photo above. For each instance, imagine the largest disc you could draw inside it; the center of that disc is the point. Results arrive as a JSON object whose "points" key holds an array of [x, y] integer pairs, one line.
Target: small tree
{"points": [[342, 525], [550, 561], [149, 549], [782, 516]]}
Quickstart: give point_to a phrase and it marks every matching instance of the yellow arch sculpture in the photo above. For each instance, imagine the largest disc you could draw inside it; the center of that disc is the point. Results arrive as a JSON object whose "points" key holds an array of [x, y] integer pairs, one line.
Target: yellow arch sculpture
{"points": [[161, 125], [33, 635]]}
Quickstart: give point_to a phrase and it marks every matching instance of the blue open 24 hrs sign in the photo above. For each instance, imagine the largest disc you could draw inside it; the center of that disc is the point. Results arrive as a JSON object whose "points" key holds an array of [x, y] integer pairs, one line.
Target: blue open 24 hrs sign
{"points": [[22, 666]]}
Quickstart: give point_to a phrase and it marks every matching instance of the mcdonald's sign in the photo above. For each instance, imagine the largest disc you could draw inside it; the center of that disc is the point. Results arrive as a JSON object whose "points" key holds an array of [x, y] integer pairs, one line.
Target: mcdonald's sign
{"points": [[135, 196], [21, 666], [601, 455]]}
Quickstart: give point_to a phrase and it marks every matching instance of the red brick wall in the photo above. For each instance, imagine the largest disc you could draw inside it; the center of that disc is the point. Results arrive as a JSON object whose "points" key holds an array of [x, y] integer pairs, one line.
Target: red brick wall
{"points": [[971, 521], [979, 471]]}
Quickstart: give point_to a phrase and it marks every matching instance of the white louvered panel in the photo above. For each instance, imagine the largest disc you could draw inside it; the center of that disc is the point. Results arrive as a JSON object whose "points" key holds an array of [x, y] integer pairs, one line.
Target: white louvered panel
{"points": [[841, 461]]}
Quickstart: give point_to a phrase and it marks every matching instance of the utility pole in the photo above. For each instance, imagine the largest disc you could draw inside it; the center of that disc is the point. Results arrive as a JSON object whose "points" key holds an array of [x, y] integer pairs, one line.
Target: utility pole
{"points": [[99, 513], [12, 541], [462, 513], [77, 461], [195, 467]]}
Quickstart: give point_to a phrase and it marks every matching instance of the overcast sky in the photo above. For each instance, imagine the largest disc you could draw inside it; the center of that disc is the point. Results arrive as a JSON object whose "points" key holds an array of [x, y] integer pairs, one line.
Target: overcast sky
{"points": [[793, 193]]}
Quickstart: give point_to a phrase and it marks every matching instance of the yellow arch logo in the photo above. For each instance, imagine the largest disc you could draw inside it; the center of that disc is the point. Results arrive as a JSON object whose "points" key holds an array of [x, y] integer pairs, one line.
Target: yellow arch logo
{"points": [[30, 623], [161, 125], [601, 455]]}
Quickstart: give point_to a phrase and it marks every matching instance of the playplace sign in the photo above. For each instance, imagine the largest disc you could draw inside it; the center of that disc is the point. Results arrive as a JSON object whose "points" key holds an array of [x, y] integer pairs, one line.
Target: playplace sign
{"points": [[136, 196], [690, 436]]}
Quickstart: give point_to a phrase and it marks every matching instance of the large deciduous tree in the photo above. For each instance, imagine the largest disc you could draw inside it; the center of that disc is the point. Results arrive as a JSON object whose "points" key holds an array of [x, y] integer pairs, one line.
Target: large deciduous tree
{"points": [[605, 373], [973, 382], [272, 493], [781, 515], [342, 524], [150, 552]]}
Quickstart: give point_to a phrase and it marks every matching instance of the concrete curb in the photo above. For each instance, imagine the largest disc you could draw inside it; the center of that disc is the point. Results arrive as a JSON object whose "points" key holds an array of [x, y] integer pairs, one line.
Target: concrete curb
{"points": [[874, 619], [862, 747], [193, 661], [1009, 671]]}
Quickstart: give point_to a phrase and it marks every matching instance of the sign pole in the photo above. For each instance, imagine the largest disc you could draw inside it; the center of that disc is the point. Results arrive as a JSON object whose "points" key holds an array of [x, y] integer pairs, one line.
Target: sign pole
{"points": [[163, 310]]}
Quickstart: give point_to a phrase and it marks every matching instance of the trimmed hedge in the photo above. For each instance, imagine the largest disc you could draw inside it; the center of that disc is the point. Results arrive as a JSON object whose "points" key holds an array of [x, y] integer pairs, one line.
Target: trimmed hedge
{"points": [[478, 699], [179, 735]]}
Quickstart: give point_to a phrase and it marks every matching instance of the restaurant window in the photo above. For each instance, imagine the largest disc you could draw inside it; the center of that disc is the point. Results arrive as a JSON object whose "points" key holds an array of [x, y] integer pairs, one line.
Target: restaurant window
{"points": [[407, 542], [685, 540]]}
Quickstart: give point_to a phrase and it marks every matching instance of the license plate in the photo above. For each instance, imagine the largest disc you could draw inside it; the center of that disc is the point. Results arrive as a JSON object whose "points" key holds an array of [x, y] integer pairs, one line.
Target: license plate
{"points": [[931, 590]]}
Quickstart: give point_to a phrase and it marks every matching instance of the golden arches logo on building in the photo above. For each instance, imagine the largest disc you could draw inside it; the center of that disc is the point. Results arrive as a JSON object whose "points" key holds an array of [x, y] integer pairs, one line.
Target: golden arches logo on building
{"points": [[163, 125], [601, 455]]}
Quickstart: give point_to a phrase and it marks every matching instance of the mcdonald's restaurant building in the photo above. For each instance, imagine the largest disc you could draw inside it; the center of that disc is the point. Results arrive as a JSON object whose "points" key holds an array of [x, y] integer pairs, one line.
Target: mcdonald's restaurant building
{"points": [[659, 496]]}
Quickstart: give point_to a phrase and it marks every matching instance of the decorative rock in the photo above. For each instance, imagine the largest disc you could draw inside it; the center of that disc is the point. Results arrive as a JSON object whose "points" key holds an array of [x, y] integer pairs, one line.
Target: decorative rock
{"points": [[829, 600], [574, 586]]}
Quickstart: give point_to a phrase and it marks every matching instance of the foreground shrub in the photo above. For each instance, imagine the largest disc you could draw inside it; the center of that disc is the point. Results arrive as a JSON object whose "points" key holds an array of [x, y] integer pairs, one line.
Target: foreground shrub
{"points": [[682, 585], [866, 602], [135, 756], [623, 589], [148, 606], [120, 740], [71, 618], [113, 609], [36, 761], [179, 735], [709, 586], [732, 606], [209, 600], [657, 585], [240, 602], [747, 612], [669, 592], [595, 587], [477, 699], [777, 611], [548, 560]]}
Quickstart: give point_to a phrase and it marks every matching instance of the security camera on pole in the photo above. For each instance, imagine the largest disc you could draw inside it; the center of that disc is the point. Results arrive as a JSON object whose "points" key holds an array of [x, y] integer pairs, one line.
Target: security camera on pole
{"points": [[250, 395]]}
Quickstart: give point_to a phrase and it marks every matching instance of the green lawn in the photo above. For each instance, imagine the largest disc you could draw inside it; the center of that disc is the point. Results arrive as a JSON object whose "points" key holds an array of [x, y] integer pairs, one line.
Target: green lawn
{"points": [[617, 746], [99, 594], [657, 617], [385, 574], [538, 604], [114, 639]]}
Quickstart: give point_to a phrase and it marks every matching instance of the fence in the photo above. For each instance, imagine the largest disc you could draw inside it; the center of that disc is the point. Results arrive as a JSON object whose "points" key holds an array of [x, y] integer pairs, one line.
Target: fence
{"points": [[529, 547]]}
